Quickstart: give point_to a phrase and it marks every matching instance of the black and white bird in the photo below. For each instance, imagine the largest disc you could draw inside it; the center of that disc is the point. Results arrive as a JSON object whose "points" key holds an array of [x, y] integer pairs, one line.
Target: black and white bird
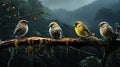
{"points": [[106, 30], [21, 28], [55, 31]]}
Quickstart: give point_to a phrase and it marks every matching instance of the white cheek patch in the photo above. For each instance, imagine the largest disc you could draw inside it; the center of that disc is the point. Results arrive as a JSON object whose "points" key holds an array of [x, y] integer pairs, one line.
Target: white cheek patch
{"points": [[50, 32], [60, 34]]}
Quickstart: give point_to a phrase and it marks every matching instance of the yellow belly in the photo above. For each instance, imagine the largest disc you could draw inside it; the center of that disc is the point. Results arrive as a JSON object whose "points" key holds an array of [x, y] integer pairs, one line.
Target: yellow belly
{"points": [[81, 32]]}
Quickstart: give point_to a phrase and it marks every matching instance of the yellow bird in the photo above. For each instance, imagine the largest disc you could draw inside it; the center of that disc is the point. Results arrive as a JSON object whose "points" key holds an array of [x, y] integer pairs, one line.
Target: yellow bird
{"points": [[81, 29]]}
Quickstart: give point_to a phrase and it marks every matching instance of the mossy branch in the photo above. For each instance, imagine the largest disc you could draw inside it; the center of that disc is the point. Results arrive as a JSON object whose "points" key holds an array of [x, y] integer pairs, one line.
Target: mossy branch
{"points": [[75, 42], [52, 42]]}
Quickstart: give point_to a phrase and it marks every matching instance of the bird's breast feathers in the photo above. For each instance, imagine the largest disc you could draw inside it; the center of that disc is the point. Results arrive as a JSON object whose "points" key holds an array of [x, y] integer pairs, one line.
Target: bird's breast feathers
{"points": [[106, 32], [21, 30], [81, 32], [55, 32]]}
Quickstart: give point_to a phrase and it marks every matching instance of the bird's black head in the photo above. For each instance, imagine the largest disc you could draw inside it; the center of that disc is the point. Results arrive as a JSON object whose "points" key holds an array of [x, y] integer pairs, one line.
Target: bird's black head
{"points": [[76, 24]]}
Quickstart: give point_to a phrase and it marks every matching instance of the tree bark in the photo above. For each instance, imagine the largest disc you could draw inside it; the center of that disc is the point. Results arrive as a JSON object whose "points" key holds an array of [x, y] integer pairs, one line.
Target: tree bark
{"points": [[75, 42]]}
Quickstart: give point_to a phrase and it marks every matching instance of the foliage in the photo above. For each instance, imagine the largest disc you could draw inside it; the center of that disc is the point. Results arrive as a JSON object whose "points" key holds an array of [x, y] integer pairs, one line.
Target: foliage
{"points": [[22, 8], [13, 10], [90, 61]]}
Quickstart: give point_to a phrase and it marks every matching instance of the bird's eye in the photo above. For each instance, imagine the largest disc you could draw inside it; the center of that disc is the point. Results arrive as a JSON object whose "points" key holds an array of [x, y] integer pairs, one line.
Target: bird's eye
{"points": [[76, 23], [23, 22], [102, 25], [51, 25]]}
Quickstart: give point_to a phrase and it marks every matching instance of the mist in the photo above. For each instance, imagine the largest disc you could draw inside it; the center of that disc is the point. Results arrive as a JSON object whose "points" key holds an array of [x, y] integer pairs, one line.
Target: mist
{"points": [[65, 4]]}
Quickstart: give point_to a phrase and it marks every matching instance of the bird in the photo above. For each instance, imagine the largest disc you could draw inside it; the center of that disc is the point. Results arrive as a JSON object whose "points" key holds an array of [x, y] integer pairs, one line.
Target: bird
{"points": [[106, 30], [81, 29], [21, 28], [55, 30]]}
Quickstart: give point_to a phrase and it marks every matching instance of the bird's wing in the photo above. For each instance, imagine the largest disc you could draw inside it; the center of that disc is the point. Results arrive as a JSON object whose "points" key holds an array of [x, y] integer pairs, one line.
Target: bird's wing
{"points": [[18, 28], [61, 33], [50, 32], [58, 28], [61, 30], [86, 29], [110, 30]]}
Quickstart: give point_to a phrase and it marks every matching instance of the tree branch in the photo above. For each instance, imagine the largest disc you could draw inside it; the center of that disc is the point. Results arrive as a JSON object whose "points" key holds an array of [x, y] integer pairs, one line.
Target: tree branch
{"points": [[75, 42]]}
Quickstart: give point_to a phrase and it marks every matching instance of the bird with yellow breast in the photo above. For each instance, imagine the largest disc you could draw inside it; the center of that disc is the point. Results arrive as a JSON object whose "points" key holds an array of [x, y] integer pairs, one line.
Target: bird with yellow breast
{"points": [[81, 29]]}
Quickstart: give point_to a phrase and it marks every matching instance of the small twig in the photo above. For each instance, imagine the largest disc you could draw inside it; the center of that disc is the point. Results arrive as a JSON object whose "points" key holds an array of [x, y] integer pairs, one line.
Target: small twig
{"points": [[117, 28], [116, 33], [19, 9], [84, 52], [11, 57]]}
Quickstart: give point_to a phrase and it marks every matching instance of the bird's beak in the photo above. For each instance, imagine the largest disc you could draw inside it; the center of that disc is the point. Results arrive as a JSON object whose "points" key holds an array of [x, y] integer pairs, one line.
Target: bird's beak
{"points": [[99, 25], [74, 25], [26, 21], [49, 25]]}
